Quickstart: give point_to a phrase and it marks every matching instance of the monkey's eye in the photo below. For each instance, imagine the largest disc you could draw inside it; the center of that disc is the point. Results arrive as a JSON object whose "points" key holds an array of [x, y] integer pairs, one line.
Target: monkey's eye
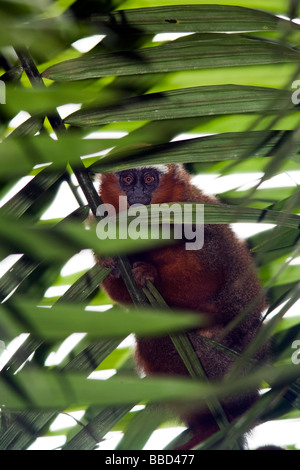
{"points": [[127, 179], [149, 179]]}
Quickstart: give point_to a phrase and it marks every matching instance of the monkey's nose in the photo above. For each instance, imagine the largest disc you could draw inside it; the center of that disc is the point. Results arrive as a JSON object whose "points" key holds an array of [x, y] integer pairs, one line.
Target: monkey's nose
{"points": [[140, 199]]}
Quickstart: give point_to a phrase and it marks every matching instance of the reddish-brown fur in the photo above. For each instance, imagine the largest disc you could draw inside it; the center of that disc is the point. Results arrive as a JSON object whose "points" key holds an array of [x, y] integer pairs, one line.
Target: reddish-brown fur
{"points": [[220, 279]]}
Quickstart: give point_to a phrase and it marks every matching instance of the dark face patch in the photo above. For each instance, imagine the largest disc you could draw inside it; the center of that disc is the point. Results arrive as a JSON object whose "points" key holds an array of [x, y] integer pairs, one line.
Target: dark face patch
{"points": [[139, 184]]}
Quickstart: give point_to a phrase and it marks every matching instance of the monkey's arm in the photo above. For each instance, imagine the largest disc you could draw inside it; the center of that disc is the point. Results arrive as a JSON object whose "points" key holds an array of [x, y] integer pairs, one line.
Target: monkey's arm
{"points": [[113, 283]]}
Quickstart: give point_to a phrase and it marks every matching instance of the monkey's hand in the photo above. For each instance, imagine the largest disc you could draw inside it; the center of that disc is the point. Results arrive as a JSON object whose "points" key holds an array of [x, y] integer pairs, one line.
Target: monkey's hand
{"points": [[143, 272], [110, 263]]}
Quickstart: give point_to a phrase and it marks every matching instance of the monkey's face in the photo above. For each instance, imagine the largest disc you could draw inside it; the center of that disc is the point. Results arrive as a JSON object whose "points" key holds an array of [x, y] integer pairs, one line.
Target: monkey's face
{"points": [[138, 184], [145, 185]]}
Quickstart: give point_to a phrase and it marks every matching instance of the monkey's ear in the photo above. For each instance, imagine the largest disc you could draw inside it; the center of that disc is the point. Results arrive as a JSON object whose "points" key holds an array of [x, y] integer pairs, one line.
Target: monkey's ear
{"points": [[179, 168], [109, 189], [107, 178], [97, 177], [177, 171]]}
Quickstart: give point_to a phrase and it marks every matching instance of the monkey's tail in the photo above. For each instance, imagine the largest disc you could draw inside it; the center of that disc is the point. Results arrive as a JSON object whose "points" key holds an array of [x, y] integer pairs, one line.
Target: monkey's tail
{"points": [[199, 433]]}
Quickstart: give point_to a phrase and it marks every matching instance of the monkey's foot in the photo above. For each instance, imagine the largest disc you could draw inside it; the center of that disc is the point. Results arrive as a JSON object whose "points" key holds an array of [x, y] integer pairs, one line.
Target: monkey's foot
{"points": [[143, 272]]}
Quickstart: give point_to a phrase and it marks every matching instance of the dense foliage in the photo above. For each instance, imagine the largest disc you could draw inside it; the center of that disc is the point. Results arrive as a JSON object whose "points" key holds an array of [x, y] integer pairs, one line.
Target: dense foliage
{"points": [[230, 101]]}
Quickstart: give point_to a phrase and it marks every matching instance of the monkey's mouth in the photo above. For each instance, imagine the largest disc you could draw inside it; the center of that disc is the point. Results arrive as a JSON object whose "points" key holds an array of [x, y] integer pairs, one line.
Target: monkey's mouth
{"points": [[139, 201]]}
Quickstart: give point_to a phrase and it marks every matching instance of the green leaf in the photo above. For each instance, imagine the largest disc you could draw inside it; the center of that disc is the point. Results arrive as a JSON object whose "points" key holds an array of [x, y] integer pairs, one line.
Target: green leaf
{"points": [[24, 153], [18, 437], [85, 285], [213, 214], [193, 18], [40, 101], [27, 265], [215, 148], [191, 54], [28, 128], [91, 434], [188, 102], [274, 244], [24, 199], [141, 427], [44, 35], [217, 81], [63, 320], [276, 5], [55, 390], [262, 197], [24, 7]]}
